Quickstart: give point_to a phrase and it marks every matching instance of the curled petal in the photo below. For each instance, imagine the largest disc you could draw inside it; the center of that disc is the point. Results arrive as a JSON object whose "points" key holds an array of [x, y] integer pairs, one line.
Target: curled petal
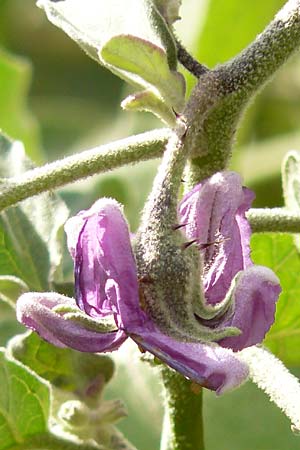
{"points": [[105, 270], [214, 214], [209, 365], [254, 298], [38, 311]]}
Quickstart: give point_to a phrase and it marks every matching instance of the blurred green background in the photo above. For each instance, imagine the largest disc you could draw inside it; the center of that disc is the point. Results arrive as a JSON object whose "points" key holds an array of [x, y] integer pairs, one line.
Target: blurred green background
{"points": [[58, 101]]}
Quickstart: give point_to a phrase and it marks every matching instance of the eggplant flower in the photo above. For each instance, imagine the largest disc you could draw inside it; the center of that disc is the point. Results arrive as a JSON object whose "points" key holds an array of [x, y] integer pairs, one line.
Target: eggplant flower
{"points": [[213, 215], [109, 308]]}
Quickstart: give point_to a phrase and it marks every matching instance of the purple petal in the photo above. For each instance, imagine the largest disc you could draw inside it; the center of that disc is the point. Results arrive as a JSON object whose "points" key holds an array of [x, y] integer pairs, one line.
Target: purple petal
{"points": [[255, 297], [209, 365], [35, 310], [105, 270], [214, 214]]}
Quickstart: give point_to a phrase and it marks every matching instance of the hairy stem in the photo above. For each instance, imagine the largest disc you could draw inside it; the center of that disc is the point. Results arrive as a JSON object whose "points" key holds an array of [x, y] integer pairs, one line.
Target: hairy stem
{"points": [[255, 65], [90, 162], [161, 206], [233, 85], [183, 423], [280, 220], [186, 59]]}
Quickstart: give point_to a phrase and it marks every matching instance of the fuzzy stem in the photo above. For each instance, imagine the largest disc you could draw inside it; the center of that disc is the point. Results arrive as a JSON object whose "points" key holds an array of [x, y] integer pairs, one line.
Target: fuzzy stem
{"points": [[183, 423], [280, 220], [192, 65], [255, 65], [233, 85], [166, 185], [90, 162]]}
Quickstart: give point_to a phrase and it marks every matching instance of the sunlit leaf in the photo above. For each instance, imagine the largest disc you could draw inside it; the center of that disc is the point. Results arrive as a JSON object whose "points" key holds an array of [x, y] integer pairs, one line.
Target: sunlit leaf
{"points": [[278, 252], [24, 404], [147, 101], [146, 65], [130, 37]]}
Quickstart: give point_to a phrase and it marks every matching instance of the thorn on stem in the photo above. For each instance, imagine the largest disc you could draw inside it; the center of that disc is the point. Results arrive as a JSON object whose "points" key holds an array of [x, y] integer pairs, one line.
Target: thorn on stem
{"points": [[178, 226], [189, 243], [216, 242], [145, 279]]}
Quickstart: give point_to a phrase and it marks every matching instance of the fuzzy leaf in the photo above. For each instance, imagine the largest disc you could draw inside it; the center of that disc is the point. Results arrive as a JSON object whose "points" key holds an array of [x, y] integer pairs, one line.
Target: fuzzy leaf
{"points": [[24, 403], [130, 37], [145, 64], [278, 252], [169, 9], [147, 101]]}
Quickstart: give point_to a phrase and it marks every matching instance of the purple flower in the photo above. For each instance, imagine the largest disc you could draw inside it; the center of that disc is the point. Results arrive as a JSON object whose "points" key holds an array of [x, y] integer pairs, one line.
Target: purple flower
{"points": [[107, 291], [214, 214]]}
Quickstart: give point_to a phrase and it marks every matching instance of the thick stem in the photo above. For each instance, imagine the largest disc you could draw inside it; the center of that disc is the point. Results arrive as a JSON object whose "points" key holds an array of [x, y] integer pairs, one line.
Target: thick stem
{"points": [[161, 206], [280, 220], [90, 162], [159, 251], [183, 423], [255, 65], [232, 85]]}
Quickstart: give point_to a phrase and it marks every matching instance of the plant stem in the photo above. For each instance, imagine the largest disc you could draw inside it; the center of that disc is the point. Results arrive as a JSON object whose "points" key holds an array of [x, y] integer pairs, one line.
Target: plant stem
{"points": [[233, 85], [192, 65], [280, 220], [183, 423], [90, 162]]}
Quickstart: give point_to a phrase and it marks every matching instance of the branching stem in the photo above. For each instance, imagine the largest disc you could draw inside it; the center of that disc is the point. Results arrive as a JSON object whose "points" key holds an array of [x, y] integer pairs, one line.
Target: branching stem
{"points": [[90, 162], [191, 64], [280, 220], [233, 85]]}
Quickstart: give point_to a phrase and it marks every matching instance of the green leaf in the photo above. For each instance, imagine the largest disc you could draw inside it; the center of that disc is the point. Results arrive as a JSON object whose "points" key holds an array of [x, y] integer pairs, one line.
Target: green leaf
{"points": [[278, 252], [169, 9], [15, 119], [67, 369], [148, 101], [11, 288], [24, 403], [30, 233], [230, 26], [8, 325], [130, 37], [145, 64], [92, 23]]}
